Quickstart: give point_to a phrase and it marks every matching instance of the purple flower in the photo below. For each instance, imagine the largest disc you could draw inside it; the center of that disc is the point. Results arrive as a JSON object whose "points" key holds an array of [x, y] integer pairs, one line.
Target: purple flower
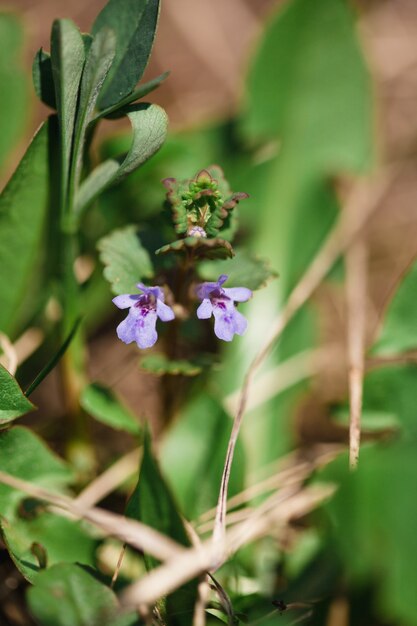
{"points": [[140, 324], [220, 302]]}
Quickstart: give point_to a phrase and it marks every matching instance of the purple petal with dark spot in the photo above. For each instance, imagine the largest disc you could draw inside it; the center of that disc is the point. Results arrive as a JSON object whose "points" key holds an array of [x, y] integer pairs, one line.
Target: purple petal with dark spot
{"points": [[145, 331]]}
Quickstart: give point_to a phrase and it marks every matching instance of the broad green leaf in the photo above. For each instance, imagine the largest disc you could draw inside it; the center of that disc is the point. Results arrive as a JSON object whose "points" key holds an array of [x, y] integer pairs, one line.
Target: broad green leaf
{"points": [[193, 453], [309, 86], [149, 124], [372, 517], [24, 455], [62, 539], [43, 80], [126, 260], [100, 402], [13, 403], [159, 365], [152, 503], [13, 85], [116, 110], [134, 24], [68, 595], [244, 270], [67, 60], [391, 390], [399, 325], [97, 65], [23, 206]]}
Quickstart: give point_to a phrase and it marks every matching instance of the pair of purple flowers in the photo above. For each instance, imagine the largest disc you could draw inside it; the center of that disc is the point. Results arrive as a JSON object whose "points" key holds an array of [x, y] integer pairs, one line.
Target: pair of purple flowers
{"points": [[145, 308]]}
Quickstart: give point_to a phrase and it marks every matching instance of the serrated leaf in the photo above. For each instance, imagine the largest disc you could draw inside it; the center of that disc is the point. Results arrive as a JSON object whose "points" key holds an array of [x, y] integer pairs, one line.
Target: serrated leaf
{"points": [[13, 403], [24, 455], [126, 260], [68, 595], [159, 365], [23, 206], [193, 453], [62, 540], [152, 503], [244, 270], [202, 248], [116, 110], [67, 61], [13, 85], [149, 125], [134, 24], [43, 80], [399, 325], [103, 404]]}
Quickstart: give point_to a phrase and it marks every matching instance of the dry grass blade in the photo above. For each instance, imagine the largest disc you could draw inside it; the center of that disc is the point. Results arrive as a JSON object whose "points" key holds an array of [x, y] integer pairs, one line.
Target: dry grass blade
{"points": [[194, 561], [356, 293], [134, 533], [362, 203], [109, 480]]}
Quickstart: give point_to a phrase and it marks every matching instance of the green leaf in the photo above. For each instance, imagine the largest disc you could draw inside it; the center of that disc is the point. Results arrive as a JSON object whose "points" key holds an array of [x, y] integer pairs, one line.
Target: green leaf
{"points": [[149, 124], [13, 85], [13, 403], [62, 540], [391, 389], [24, 455], [23, 206], [134, 24], [116, 110], [43, 80], [99, 59], [310, 87], [201, 248], [152, 503], [373, 512], [399, 325], [100, 402], [67, 60], [159, 365], [126, 260], [193, 453], [244, 270], [371, 421], [68, 595]]}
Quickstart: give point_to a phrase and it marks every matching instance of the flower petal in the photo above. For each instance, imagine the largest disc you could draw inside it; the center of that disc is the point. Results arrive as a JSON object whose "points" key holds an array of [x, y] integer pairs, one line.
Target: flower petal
{"points": [[222, 279], [204, 290], [145, 331], [164, 312], [240, 323], [126, 301], [205, 310], [126, 329], [224, 326], [238, 294]]}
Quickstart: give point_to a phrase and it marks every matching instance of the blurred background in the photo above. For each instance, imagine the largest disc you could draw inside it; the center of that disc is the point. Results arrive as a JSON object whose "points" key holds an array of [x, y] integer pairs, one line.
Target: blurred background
{"points": [[297, 104]]}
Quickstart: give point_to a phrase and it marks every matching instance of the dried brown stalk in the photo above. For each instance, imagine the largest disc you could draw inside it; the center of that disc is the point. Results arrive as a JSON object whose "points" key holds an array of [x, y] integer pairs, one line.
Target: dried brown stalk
{"points": [[356, 293], [363, 201]]}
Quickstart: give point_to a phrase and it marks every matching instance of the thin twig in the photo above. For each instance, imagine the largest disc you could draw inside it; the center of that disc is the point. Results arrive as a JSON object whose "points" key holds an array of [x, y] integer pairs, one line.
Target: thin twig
{"points": [[109, 480], [134, 533], [118, 566], [194, 561], [356, 294], [364, 199]]}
